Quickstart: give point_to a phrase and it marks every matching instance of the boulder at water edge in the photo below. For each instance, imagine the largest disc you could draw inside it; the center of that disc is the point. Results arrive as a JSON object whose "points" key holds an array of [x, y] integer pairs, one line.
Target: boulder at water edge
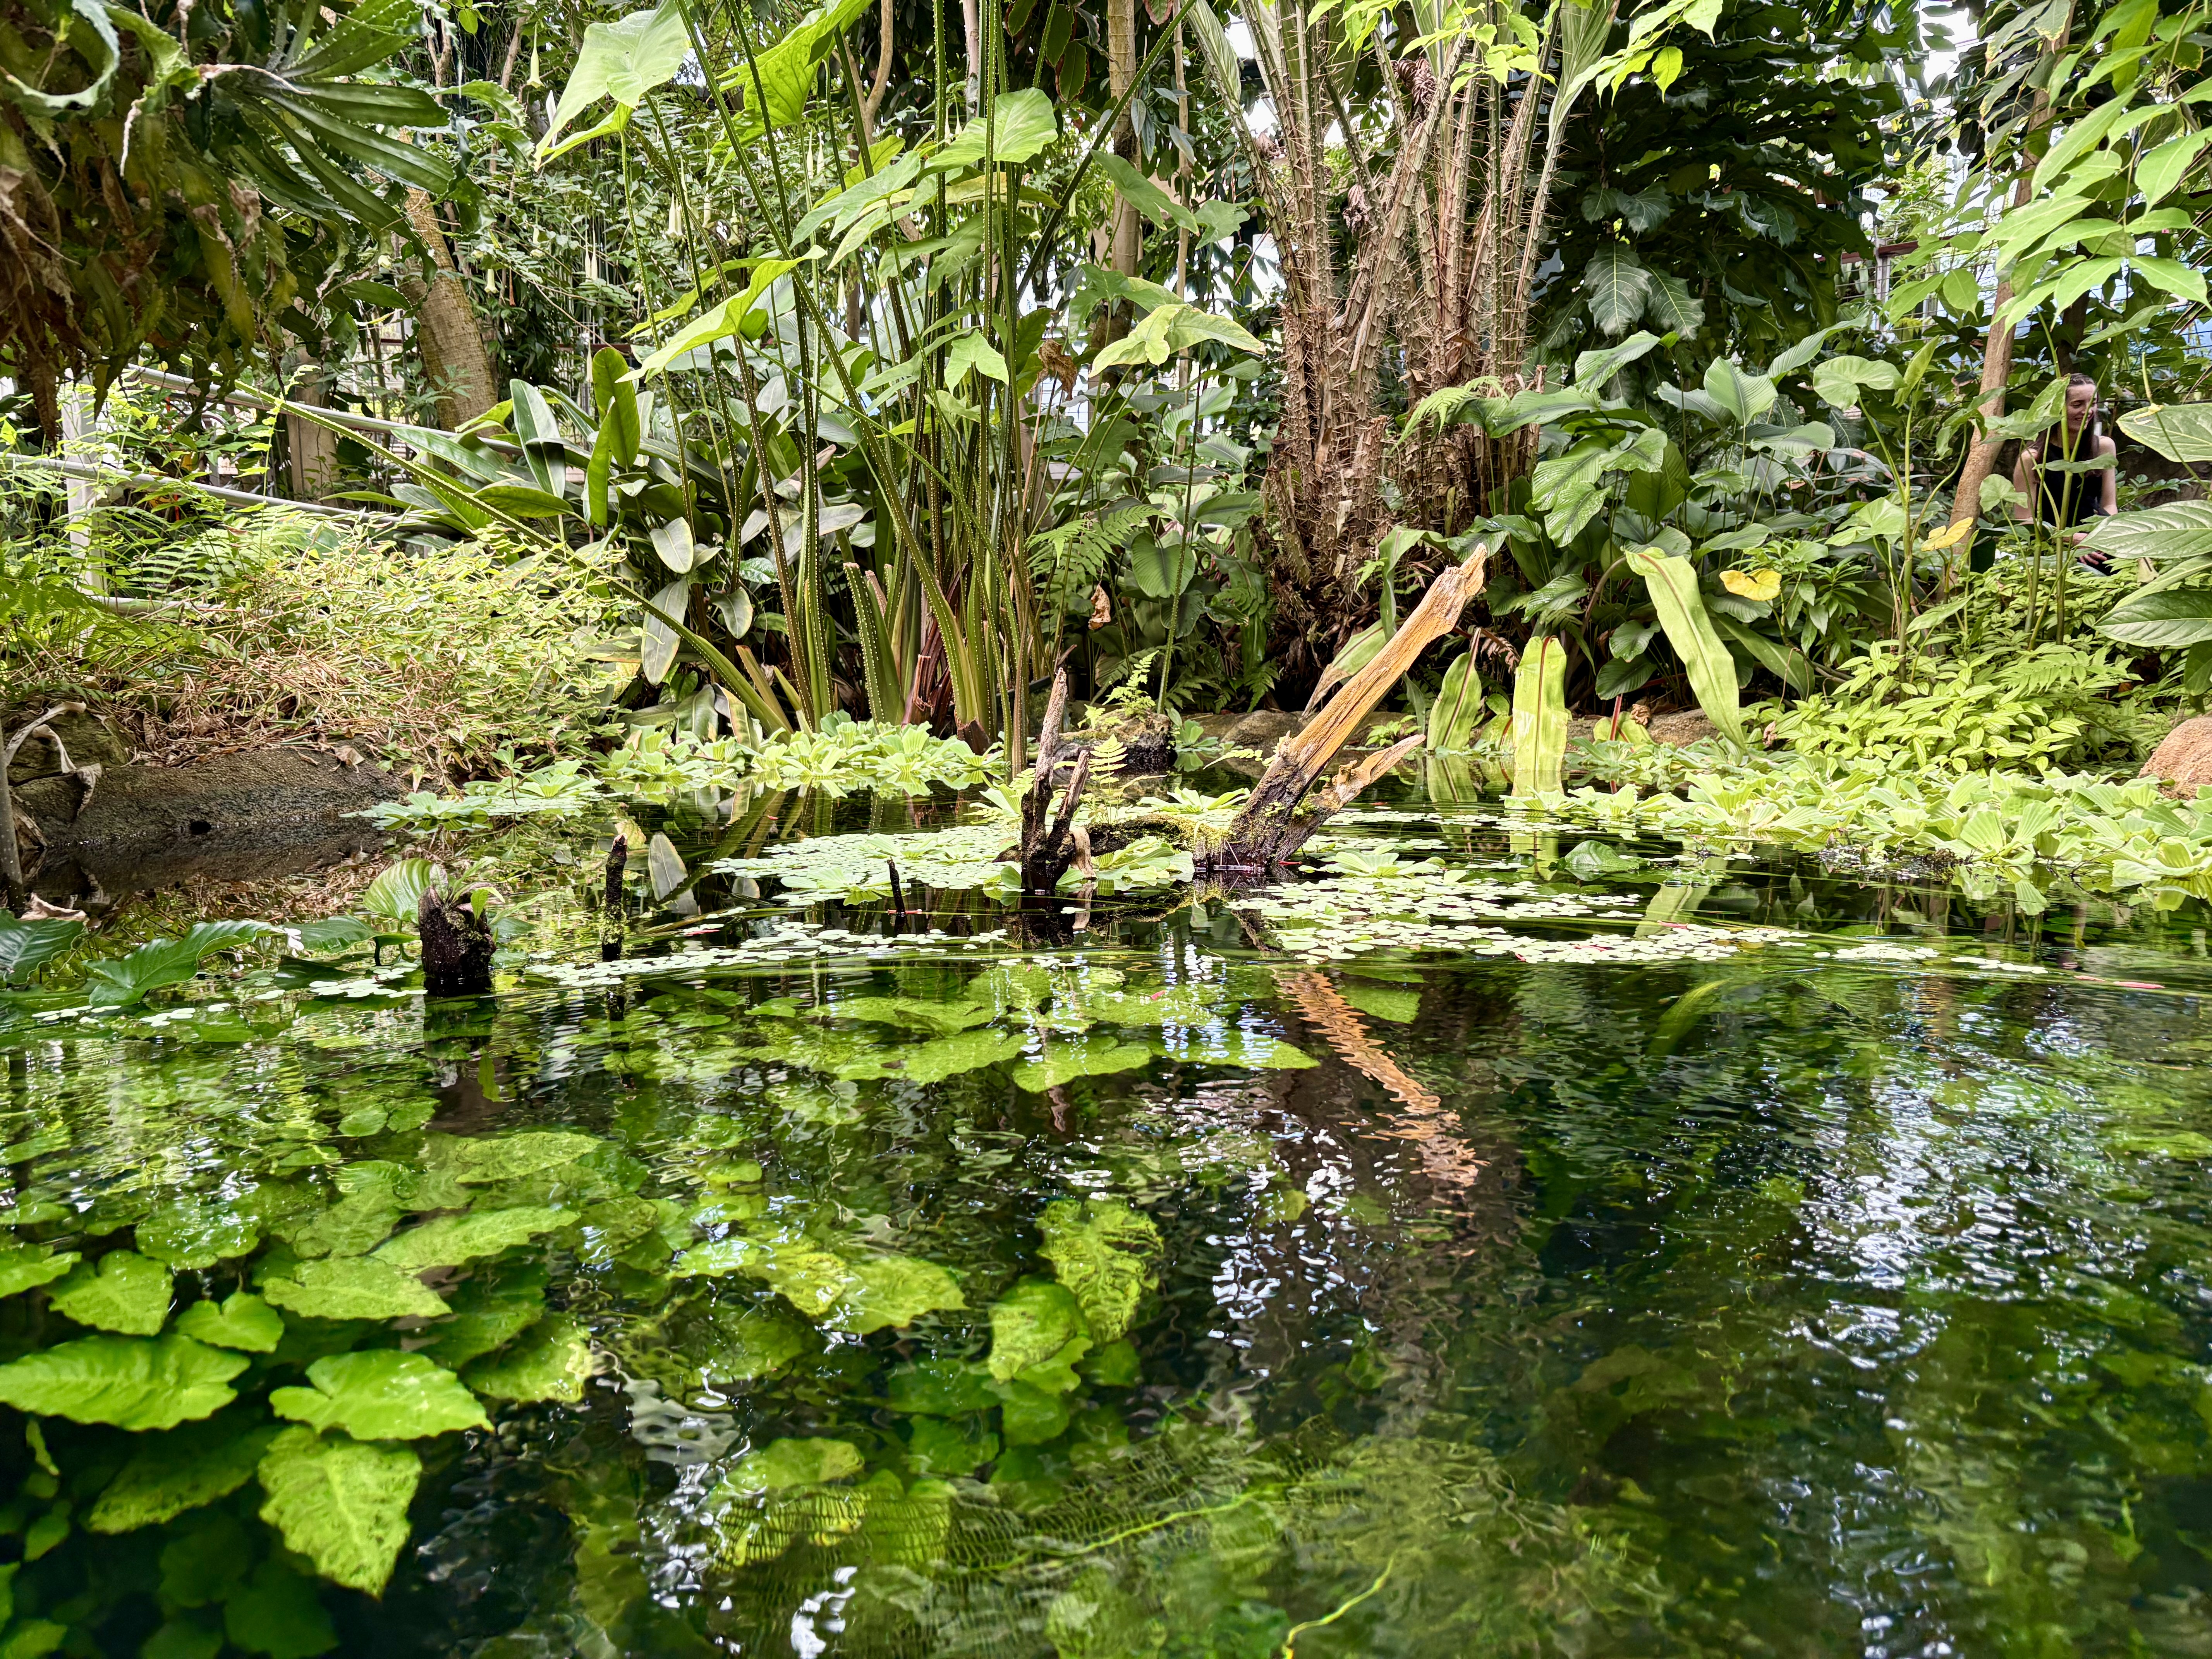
{"points": [[2184, 761]]}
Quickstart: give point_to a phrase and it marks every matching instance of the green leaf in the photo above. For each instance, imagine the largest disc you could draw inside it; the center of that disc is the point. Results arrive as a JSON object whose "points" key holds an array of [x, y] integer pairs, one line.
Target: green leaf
{"points": [[969, 349], [395, 895], [340, 1504], [487, 1313], [131, 1382], [1025, 125], [622, 60], [1032, 1415], [1839, 378], [1616, 286], [787, 1463], [938, 1019], [890, 1290], [195, 1233], [165, 961], [353, 1287], [1033, 1324], [1095, 1055], [1399, 1004], [1097, 1248], [453, 1239], [2168, 621], [1538, 736], [241, 1320], [2180, 432], [182, 1469], [2176, 531], [1594, 370], [1144, 194], [1746, 396], [2158, 173], [1673, 583], [940, 1388], [380, 1394], [1669, 304], [950, 1056], [1253, 1049], [27, 946], [24, 1267], [552, 1361], [478, 1163], [122, 1292], [277, 1613], [720, 323]]}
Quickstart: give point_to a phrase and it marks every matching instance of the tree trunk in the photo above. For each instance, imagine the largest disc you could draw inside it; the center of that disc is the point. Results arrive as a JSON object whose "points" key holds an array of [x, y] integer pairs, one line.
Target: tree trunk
{"points": [[453, 354], [314, 449], [1997, 347], [1120, 71]]}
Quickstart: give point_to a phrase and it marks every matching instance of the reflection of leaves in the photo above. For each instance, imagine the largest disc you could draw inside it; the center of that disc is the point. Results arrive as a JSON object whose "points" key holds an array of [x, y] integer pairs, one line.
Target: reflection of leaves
{"points": [[487, 1313], [793, 1464], [243, 1319], [1094, 1056], [133, 1381], [340, 1504], [1091, 1245], [1034, 1324], [940, 1388], [451, 1239], [27, 946], [353, 1287], [122, 1292], [551, 1361], [381, 1394], [507, 1157], [165, 961], [182, 1469], [938, 1019]]}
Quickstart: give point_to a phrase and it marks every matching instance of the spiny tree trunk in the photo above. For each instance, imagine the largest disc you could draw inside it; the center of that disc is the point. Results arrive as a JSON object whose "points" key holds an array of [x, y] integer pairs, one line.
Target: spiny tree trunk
{"points": [[453, 347]]}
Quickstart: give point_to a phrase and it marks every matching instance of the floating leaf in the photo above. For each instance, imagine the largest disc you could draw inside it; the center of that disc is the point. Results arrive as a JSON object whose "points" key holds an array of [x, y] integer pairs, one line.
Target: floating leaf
{"points": [[22, 1267], [1093, 1246], [353, 1287], [507, 1158], [939, 1018], [1094, 1056], [340, 1504], [891, 1291], [1034, 1323], [182, 1469], [243, 1320], [122, 1292], [380, 1394], [193, 1233], [552, 1361], [450, 1240], [133, 1381]]}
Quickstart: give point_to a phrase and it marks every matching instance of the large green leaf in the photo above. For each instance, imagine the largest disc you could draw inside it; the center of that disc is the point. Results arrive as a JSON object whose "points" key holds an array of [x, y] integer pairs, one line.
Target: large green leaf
{"points": [[396, 896], [241, 1319], [1672, 582], [122, 1292], [1095, 1056], [380, 1394], [27, 946], [1033, 1324], [353, 1287], [718, 322], [2167, 621], [24, 1267], [1144, 194], [450, 1240], [340, 1504], [165, 961], [131, 1382], [193, 1233], [1616, 285], [1595, 369], [1097, 1248], [489, 1312], [1024, 122], [1539, 731], [940, 1388], [2179, 530], [622, 60], [181, 1469], [1746, 396], [915, 1013], [475, 1161], [551, 1361], [2180, 432], [890, 1292]]}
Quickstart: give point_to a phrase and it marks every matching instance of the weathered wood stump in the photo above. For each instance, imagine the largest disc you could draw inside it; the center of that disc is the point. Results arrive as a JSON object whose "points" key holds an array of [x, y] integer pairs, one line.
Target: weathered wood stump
{"points": [[456, 947]]}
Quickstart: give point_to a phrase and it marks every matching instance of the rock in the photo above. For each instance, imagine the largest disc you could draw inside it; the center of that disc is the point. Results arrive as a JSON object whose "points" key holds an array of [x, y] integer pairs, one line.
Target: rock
{"points": [[90, 740], [2184, 761], [1679, 730], [1264, 729]]}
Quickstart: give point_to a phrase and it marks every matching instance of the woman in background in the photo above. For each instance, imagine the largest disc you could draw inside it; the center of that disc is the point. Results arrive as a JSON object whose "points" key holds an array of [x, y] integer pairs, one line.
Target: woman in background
{"points": [[2062, 498]]}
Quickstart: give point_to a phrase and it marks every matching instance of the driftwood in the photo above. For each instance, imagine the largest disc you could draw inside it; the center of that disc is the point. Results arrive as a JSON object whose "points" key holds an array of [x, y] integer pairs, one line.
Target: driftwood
{"points": [[1271, 827]]}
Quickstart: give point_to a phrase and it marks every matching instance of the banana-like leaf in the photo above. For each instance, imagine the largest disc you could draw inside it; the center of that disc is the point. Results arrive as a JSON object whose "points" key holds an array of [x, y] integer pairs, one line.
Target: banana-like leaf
{"points": [[2179, 530], [1539, 717], [1458, 708], [2170, 621], [659, 646], [2180, 432], [1673, 583], [1785, 662]]}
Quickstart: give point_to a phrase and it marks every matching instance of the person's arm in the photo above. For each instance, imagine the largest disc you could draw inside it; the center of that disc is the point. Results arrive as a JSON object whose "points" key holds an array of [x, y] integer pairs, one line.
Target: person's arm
{"points": [[2111, 502], [2023, 480]]}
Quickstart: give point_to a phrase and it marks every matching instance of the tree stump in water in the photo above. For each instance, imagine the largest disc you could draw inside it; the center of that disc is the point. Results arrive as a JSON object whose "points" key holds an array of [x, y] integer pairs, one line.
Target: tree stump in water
{"points": [[1271, 826], [456, 947]]}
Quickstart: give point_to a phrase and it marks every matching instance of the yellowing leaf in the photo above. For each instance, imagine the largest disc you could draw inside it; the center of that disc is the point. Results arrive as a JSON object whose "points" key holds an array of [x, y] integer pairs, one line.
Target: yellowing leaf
{"points": [[1951, 536], [1760, 585]]}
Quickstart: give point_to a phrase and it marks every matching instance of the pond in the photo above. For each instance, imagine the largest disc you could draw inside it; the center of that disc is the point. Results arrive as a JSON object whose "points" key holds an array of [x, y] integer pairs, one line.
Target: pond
{"points": [[1493, 1242]]}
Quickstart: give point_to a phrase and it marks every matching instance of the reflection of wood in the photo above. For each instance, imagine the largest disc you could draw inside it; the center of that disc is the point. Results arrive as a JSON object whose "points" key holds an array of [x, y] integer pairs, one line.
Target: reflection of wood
{"points": [[1270, 828], [1426, 1121]]}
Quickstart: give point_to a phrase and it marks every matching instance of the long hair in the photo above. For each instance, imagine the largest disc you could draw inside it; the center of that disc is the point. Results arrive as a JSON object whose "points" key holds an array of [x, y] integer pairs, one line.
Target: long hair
{"points": [[2095, 430]]}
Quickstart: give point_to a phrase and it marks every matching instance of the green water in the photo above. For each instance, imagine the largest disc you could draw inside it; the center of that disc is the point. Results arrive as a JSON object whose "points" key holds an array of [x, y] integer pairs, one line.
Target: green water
{"points": [[1831, 1281]]}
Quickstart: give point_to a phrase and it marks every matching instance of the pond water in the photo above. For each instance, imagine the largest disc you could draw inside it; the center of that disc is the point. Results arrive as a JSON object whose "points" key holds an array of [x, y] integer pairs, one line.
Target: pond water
{"points": [[1491, 1243]]}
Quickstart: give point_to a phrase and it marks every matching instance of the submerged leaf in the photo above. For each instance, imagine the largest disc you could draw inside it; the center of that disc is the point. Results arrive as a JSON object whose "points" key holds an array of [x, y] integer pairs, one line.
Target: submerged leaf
{"points": [[122, 1292], [1034, 1323], [133, 1381], [551, 1361], [340, 1504], [787, 1463], [24, 1267], [353, 1287], [181, 1469], [381, 1394], [892, 1291], [1094, 1056], [192, 1233], [242, 1321], [1092, 1244], [451, 1239]]}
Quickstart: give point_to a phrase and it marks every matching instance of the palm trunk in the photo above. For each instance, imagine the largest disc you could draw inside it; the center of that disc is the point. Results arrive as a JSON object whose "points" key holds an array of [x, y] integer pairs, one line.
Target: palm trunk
{"points": [[453, 354]]}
